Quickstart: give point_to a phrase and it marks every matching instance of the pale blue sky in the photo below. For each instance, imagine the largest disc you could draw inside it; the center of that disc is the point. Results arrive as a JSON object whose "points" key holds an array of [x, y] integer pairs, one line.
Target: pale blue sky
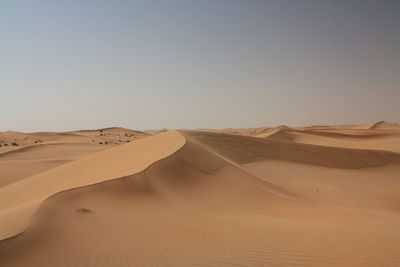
{"points": [[68, 65]]}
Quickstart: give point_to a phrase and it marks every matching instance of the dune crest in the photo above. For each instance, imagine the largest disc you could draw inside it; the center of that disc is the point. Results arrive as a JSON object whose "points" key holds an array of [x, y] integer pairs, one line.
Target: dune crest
{"points": [[19, 200], [279, 133]]}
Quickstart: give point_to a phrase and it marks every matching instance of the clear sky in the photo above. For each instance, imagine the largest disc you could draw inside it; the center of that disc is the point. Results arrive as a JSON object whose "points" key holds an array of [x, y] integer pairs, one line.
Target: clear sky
{"points": [[68, 65]]}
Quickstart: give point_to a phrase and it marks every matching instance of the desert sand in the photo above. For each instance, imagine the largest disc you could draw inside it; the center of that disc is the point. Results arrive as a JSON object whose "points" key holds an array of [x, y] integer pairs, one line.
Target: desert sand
{"points": [[268, 196]]}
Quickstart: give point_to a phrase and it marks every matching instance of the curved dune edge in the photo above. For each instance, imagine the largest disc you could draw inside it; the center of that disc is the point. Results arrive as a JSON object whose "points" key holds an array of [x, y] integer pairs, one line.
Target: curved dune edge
{"points": [[19, 201], [380, 125]]}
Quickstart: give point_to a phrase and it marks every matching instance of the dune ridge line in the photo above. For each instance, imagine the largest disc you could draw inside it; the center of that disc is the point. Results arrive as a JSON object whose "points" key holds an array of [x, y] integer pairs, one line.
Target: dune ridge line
{"points": [[19, 201]]}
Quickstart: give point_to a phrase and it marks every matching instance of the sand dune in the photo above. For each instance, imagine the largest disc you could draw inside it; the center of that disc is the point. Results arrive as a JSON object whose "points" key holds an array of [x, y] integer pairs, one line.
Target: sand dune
{"points": [[278, 133], [380, 125], [199, 198], [110, 136], [239, 131], [260, 149], [19, 200], [25, 154], [361, 137]]}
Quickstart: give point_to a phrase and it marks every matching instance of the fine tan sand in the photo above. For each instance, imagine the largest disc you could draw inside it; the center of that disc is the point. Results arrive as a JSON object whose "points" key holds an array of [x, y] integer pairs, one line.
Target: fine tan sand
{"points": [[268, 196], [25, 154]]}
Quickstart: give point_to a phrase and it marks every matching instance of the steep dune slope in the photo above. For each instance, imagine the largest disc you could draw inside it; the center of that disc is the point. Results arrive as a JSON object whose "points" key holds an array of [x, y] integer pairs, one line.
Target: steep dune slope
{"points": [[210, 200], [333, 176], [19, 200]]}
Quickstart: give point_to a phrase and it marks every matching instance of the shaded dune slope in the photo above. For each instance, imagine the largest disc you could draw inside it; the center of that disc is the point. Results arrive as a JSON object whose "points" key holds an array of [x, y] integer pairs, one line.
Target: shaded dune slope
{"points": [[244, 149], [278, 133]]}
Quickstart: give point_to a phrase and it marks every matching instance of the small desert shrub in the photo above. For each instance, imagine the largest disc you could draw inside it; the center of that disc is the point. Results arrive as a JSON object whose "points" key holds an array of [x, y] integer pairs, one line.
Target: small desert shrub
{"points": [[5, 144], [100, 143], [106, 143], [14, 144]]}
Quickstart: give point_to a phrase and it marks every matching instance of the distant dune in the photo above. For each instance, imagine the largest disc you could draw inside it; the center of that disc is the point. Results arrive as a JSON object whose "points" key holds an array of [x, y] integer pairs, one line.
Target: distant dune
{"points": [[311, 196], [361, 137], [380, 125]]}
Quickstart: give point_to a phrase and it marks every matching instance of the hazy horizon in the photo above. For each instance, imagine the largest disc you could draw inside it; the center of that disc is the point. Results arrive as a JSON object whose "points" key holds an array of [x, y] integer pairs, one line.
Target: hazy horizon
{"points": [[199, 128], [197, 64]]}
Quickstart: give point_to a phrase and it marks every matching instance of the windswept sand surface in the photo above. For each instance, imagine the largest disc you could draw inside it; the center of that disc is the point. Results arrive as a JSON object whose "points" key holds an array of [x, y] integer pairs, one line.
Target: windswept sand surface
{"points": [[25, 154], [310, 196]]}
